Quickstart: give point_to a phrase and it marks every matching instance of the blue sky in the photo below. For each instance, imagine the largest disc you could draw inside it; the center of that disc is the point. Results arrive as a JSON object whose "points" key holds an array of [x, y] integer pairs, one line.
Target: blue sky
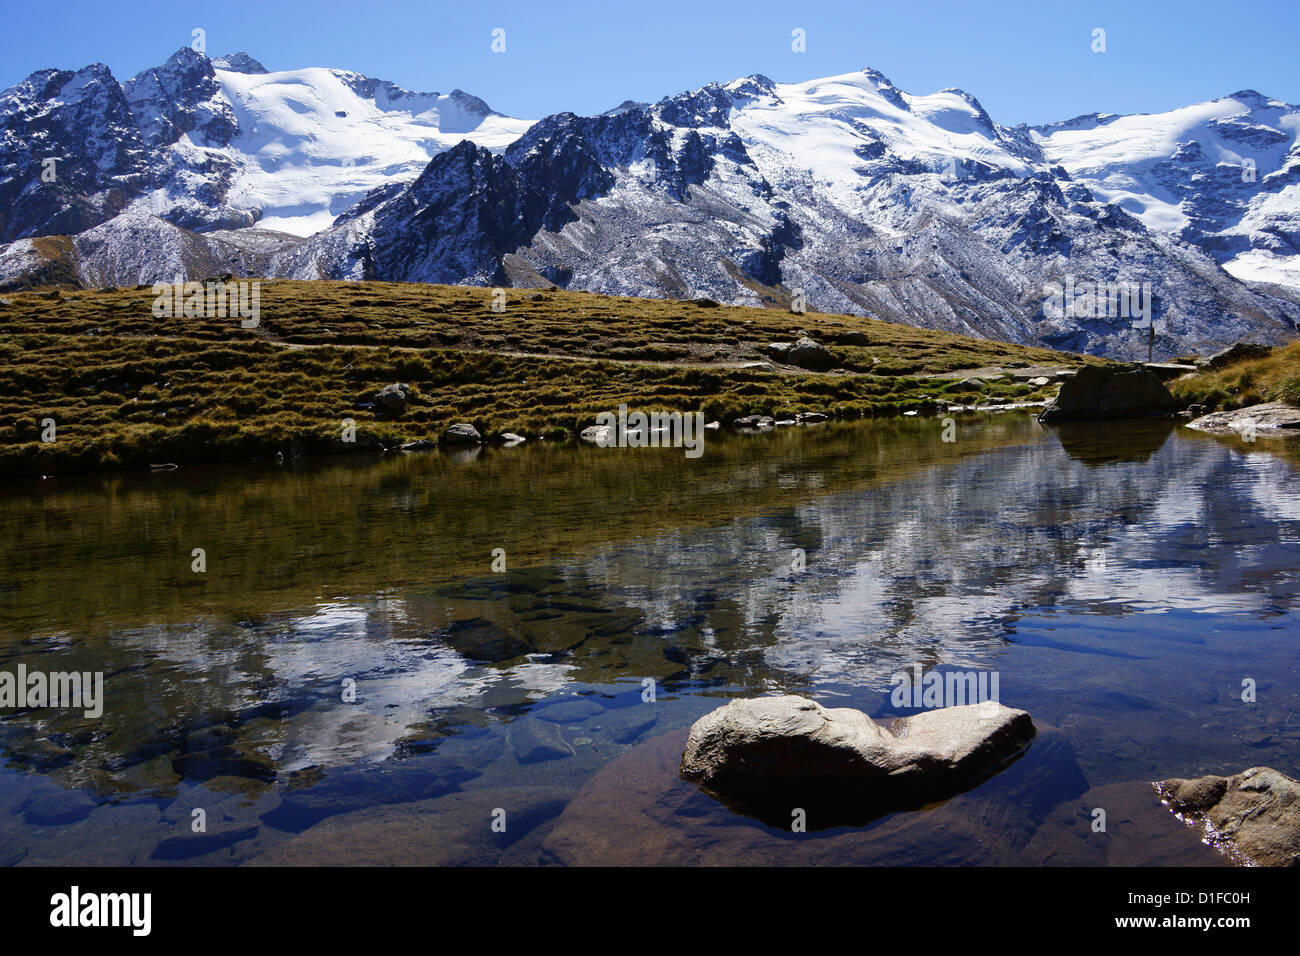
{"points": [[1025, 61]]}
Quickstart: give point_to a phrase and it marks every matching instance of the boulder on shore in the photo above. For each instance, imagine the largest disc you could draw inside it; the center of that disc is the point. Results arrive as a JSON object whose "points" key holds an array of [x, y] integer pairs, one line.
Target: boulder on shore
{"points": [[1110, 391], [769, 755], [805, 353], [394, 397], [1269, 417], [1239, 352], [461, 434], [1253, 816]]}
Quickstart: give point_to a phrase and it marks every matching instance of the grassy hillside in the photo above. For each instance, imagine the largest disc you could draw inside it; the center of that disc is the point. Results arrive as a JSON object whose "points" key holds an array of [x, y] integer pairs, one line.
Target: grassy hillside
{"points": [[127, 389]]}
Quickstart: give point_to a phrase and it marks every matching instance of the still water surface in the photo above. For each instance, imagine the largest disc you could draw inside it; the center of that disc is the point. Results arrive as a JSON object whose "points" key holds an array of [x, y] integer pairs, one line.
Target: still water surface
{"points": [[1121, 580]]}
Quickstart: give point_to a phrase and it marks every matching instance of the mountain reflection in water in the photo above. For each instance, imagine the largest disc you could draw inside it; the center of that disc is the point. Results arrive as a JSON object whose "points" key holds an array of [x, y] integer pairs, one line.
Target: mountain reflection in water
{"points": [[1122, 579]]}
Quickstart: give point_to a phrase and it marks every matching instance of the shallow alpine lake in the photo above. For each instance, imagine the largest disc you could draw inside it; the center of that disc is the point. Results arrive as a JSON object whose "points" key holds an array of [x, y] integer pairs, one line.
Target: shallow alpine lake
{"points": [[353, 679]]}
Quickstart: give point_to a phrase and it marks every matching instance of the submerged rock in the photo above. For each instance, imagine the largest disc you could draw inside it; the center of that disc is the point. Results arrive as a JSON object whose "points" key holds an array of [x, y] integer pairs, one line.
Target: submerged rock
{"points": [[771, 754], [639, 811], [534, 741], [1253, 816], [1110, 391]]}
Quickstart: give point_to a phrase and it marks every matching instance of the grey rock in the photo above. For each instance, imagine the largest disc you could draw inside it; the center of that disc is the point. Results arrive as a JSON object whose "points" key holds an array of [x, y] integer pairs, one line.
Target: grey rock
{"points": [[1271, 416], [597, 433], [754, 421], [1252, 816], [805, 353], [771, 754], [1109, 392], [811, 418], [394, 397], [422, 444], [461, 434]]}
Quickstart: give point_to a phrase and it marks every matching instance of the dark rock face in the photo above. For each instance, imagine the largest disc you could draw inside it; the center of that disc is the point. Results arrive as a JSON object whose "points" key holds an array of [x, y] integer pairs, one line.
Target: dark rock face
{"points": [[1105, 392], [1253, 816], [177, 98], [770, 754], [82, 122]]}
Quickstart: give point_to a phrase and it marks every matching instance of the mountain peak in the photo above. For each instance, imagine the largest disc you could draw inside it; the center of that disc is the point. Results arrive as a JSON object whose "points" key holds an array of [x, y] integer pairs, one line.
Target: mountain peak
{"points": [[886, 88], [239, 62]]}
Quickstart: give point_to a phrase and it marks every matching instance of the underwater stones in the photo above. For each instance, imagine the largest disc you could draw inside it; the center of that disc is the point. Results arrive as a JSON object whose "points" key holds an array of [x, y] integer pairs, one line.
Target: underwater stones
{"points": [[452, 830], [570, 711], [1252, 816], [58, 808], [535, 741], [769, 754]]}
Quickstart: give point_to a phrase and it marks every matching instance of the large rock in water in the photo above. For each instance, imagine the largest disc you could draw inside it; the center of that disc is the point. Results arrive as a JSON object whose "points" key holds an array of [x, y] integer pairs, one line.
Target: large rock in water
{"points": [[1110, 391], [1253, 816], [770, 755]]}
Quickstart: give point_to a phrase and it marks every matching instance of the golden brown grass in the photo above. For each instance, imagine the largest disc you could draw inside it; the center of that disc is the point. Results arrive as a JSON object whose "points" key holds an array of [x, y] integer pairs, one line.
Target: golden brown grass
{"points": [[128, 389], [1275, 378]]}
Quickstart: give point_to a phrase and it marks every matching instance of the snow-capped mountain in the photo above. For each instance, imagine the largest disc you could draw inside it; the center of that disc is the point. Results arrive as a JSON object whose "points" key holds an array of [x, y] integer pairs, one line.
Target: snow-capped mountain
{"points": [[916, 209], [1224, 175], [223, 143], [857, 195]]}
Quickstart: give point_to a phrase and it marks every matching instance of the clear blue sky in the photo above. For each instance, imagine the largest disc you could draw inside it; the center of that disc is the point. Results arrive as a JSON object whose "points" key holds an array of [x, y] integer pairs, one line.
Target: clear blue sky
{"points": [[1026, 60]]}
